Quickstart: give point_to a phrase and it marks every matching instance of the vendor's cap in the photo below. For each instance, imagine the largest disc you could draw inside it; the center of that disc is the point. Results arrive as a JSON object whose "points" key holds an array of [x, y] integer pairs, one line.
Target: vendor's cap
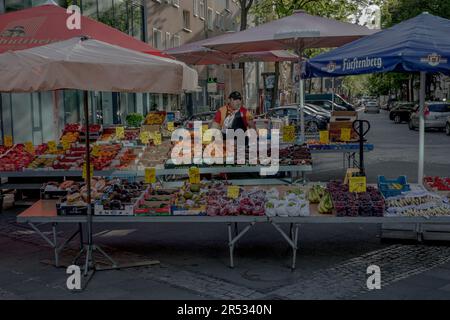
{"points": [[235, 95]]}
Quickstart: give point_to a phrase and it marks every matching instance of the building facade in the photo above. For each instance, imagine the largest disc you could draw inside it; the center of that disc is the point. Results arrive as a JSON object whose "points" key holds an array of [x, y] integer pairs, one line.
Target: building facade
{"points": [[162, 23]]}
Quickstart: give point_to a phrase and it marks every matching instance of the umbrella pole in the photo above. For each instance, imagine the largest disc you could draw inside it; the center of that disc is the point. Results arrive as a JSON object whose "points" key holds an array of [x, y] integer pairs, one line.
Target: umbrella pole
{"points": [[421, 128], [88, 166], [301, 94]]}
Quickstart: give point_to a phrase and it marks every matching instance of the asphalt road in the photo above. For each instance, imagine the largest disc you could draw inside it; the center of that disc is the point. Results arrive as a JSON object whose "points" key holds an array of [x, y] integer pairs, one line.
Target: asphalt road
{"points": [[396, 153], [331, 262]]}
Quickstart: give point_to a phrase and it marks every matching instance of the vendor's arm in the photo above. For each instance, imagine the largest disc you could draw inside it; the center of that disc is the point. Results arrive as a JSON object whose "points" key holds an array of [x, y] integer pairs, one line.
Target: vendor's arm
{"points": [[217, 121]]}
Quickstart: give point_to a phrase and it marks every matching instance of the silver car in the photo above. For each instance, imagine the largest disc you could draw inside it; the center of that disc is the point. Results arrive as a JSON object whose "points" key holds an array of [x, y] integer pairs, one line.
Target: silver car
{"points": [[371, 106], [436, 116]]}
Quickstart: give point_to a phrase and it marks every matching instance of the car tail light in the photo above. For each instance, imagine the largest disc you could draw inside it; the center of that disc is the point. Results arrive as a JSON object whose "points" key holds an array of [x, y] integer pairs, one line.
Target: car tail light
{"points": [[426, 112]]}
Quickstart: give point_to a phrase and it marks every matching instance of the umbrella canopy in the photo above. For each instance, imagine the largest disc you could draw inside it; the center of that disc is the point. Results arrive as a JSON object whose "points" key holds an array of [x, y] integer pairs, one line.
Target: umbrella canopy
{"points": [[45, 24], [419, 44], [196, 53], [298, 31], [88, 64]]}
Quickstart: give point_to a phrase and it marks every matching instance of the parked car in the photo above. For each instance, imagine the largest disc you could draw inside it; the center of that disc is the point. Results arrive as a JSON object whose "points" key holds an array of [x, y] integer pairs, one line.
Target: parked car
{"points": [[391, 103], [447, 126], [435, 113], [205, 117], [402, 112], [371, 106], [319, 110], [328, 105], [313, 122], [329, 96]]}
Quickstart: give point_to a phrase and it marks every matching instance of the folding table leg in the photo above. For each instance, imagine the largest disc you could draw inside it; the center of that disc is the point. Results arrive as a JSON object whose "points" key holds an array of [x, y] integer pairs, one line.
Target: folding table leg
{"points": [[232, 241], [291, 239], [80, 230], [55, 245]]}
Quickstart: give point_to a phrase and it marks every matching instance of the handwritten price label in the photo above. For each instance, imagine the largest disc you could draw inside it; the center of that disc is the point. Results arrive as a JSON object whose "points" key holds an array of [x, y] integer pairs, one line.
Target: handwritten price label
{"points": [[194, 175], [51, 146], [357, 184], [324, 137], [288, 134], [150, 175], [84, 175], [120, 132], [233, 192], [170, 126], [29, 147], [157, 139], [346, 134], [8, 140]]}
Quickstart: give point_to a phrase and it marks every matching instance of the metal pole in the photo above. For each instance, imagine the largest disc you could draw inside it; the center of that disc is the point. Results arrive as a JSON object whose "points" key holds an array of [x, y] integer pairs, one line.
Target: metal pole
{"points": [[421, 127], [88, 167], [332, 94], [301, 93]]}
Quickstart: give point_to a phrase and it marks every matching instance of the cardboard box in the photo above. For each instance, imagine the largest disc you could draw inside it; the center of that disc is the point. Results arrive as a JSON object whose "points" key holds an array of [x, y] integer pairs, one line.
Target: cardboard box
{"points": [[343, 116]]}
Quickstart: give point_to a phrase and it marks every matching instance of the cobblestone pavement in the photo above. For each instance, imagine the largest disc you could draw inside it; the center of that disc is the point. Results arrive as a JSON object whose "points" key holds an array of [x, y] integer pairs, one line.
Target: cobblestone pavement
{"points": [[345, 280]]}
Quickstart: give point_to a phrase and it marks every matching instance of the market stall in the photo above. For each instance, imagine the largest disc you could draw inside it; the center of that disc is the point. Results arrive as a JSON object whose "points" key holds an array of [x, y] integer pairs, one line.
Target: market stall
{"points": [[86, 64]]}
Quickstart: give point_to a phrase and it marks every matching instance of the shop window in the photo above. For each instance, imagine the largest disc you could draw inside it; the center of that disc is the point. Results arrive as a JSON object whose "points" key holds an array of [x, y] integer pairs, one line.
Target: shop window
{"points": [[210, 18], [201, 8], [156, 38], [186, 20]]}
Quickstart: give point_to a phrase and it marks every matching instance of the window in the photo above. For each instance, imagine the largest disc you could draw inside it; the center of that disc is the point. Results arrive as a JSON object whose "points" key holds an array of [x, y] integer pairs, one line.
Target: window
{"points": [[210, 18], [201, 8], [227, 5], [157, 38], [176, 41], [217, 19], [167, 41], [186, 20], [176, 3], [195, 8]]}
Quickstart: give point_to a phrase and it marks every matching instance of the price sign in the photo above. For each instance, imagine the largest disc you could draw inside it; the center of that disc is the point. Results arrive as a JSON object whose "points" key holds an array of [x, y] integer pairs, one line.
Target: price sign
{"points": [[51, 146], [346, 134], [194, 175], [145, 137], [120, 132], [204, 128], [357, 184], [8, 141], [150, 175], [233, 192], [65, 144], [157, 139], [29, 147], [288, 134], [85, 172], [170, 126], [324, 137], [95, 150]]}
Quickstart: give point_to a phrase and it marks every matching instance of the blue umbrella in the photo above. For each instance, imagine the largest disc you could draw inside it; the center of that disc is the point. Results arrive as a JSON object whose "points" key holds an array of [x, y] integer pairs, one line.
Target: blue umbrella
{"points": [[420, 44]]}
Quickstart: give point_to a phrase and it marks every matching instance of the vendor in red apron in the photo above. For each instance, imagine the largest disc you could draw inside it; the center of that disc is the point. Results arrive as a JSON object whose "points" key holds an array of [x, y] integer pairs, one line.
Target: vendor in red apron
{"points": [[233, 115]]}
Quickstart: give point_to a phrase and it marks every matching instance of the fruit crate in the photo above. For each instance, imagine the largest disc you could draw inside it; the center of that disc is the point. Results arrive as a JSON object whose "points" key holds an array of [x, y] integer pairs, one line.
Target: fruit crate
{"points": [[68, 210], [386, 186]]}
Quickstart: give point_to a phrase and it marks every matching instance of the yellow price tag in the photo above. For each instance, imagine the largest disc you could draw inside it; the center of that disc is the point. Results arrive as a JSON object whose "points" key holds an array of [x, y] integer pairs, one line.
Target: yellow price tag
{"points": [[170, 126], [204, 128], [357, 184], [51, 146], [65, 144], [95, 150], [120, 132], [324, 137], [145, 137], [207, 137], [85, 172], [288, 134], [29, 147], [233, 192], [157, 139], [194, 175], [8, 141], [150, 175], [346, 134]]}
